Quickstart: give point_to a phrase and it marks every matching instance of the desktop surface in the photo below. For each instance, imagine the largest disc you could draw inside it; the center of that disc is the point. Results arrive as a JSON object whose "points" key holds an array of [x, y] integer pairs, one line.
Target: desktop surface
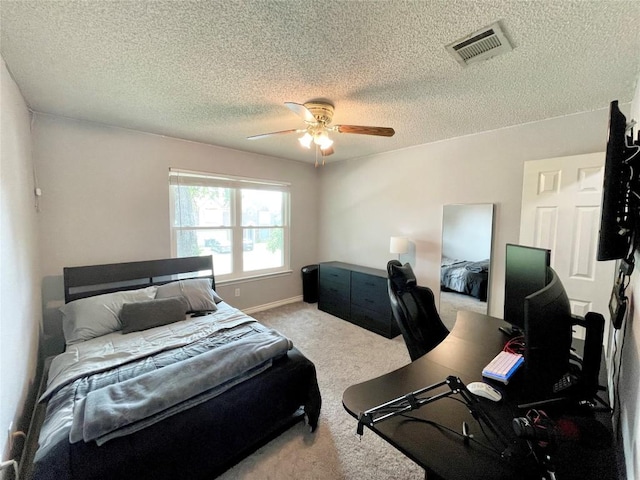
{"points": [[428, 437]]}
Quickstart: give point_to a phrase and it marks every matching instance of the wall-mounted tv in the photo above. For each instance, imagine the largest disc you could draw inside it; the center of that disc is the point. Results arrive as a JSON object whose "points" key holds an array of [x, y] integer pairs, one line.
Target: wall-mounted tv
{"points": [[616, 218]]}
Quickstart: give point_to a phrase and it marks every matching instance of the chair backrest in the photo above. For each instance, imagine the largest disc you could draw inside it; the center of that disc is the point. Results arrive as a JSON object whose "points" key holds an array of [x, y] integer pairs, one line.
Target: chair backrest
{"points": [[414, 310]]}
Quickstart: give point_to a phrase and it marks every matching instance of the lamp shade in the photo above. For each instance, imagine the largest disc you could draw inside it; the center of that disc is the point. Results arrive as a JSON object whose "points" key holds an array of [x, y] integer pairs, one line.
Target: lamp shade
{"points": [[306, 140], [399, 245]]}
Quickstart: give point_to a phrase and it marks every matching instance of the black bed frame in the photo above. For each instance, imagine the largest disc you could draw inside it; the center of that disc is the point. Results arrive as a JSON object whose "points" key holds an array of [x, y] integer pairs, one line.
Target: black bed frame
{"points": [[205, 440], [82, 282]]}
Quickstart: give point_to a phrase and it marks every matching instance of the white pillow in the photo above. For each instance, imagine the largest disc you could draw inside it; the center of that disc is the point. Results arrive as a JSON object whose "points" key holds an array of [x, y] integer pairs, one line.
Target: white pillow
{"points": [[197, 291], [93, 317]]}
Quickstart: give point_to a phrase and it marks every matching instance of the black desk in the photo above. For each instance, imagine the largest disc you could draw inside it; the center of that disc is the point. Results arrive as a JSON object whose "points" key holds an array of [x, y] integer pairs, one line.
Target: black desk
{"points": [[473, 342]]}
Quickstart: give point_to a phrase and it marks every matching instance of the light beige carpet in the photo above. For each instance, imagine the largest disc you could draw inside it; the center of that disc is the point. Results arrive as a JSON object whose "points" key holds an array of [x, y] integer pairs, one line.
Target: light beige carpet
{"points": [[451, 302], [344, 354]]}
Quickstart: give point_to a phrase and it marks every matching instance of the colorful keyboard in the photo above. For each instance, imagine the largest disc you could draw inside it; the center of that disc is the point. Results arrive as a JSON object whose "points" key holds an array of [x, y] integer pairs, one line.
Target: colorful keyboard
{"points": [[503, 366]]}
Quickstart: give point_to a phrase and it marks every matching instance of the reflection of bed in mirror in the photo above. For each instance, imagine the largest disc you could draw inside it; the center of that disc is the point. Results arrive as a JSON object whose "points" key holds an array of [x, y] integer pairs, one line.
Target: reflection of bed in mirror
{"points": [[466, 259], [463, 276]]}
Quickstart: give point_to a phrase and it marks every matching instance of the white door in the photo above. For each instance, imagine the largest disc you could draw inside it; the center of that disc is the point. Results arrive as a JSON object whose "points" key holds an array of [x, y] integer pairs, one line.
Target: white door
{"points": [[561, 200]]}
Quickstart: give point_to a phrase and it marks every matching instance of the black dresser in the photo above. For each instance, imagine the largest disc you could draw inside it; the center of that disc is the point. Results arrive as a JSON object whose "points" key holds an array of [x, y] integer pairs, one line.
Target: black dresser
{"points": [[357, 294]]}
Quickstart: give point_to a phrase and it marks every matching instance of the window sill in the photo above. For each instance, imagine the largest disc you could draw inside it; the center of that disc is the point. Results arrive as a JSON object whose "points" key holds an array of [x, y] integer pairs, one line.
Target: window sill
{"points": [[253, 278]]}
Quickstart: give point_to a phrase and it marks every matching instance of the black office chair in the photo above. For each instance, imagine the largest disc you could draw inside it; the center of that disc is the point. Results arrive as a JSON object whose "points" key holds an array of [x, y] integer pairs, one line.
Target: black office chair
{"points": [[414, 309]]}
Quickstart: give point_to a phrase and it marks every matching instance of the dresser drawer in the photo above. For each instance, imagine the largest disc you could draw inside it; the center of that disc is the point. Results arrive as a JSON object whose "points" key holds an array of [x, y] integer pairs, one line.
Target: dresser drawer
{"points": [[369, 291], [356, 294], [337, 276], [335, 306], [334, 291], [380, 322]]}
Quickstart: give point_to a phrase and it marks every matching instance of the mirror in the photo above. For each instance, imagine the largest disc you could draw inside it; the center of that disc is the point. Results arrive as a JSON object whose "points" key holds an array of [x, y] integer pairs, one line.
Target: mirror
{"points": [[466, 258]]}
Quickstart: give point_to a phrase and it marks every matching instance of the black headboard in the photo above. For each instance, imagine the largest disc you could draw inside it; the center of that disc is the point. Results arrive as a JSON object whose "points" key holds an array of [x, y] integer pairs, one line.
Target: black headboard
{"points": [[81, 282]]}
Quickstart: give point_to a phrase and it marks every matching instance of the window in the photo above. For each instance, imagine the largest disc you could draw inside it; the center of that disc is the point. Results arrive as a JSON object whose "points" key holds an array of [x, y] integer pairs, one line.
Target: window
{"points": [[243, 223]]}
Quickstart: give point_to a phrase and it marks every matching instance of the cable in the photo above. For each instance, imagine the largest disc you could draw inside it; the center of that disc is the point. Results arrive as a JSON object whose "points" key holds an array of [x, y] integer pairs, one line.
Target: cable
{"points": [[617, 371], [491, 448], [515, 345], [36, 189], [484, 432], [179, 202], [624, 280]]}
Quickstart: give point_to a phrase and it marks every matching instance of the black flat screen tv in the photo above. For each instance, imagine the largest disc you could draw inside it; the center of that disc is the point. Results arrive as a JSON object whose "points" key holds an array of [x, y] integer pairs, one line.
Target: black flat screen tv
{"points": [[615, 223], [547, 335], [525, 273]]}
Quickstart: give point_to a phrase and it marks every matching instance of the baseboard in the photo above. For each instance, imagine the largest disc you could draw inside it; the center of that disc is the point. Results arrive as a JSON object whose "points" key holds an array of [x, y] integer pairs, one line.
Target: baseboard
{"points": [[268, 306]]}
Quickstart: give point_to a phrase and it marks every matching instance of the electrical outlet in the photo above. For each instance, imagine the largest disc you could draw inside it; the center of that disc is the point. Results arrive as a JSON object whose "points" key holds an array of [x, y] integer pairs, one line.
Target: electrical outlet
{"points": [[237, 292]]}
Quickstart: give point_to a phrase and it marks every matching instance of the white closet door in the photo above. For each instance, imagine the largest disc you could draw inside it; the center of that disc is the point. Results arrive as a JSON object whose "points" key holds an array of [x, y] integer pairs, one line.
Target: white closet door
{"points": [[561, 200]]}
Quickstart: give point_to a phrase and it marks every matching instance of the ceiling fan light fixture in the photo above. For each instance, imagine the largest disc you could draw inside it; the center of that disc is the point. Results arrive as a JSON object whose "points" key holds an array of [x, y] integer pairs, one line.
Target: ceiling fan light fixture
{"points": [[318, 116], [323, 140], [306, 140], [326, 145]]}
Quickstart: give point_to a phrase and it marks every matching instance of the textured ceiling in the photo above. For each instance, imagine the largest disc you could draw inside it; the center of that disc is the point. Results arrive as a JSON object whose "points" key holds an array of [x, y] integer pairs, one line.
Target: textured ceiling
{"points": [[219, 71]]}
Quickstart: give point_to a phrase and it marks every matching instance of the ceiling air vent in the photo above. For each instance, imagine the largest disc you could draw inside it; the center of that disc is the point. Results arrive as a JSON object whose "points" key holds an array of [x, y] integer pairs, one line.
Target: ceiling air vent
{"points": [[481, 45]]}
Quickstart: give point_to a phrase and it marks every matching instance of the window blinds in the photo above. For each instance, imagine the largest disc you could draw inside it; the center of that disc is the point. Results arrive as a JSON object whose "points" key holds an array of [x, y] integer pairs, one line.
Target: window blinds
{"points": [[185, 177]]}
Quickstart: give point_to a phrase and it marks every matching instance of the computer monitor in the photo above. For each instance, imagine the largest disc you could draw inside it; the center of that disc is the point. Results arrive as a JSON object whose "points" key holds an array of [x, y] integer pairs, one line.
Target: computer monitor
{"points": [[548, 333], [525, 273]]}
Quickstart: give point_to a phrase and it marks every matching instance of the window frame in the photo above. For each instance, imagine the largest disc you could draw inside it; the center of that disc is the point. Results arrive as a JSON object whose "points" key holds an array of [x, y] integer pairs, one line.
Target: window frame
{"points": [[180, 177]]}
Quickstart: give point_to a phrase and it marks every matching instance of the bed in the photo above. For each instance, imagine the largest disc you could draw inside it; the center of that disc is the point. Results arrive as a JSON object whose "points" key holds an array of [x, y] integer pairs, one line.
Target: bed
{"points": [[183, 388], [467, 277]]}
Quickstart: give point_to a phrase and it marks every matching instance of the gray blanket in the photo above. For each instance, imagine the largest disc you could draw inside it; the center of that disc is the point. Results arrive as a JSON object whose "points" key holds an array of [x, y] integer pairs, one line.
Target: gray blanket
{"points": [[126, 407]]}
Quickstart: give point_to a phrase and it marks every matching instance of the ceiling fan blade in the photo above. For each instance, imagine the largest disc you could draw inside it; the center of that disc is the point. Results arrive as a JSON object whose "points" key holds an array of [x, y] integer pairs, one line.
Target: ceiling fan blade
{"points": [[301, 111], [327, 151], [282, 132], [380, 131]]}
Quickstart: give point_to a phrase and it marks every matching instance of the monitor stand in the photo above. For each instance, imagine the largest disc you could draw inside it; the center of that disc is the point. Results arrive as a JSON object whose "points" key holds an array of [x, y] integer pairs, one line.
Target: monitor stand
{"points": [[511, 331]]}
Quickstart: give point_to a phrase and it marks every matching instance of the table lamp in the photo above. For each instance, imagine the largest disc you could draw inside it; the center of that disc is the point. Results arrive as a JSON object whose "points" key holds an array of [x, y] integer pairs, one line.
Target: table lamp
{"points": [[399, 245]]}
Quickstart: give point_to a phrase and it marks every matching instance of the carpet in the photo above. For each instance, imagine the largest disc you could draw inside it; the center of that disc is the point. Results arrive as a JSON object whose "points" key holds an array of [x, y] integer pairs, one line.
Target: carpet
{"points": [[451, 302], [344, 354]]}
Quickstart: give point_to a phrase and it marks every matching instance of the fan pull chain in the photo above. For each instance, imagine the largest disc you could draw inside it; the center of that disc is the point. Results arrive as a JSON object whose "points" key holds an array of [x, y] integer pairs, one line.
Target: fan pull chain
{"points": [[317, 149]]}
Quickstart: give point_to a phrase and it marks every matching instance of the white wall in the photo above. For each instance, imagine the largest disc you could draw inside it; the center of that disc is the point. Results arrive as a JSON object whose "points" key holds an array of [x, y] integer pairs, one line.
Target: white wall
{"points": [[365, 201], [20, 308], [106, 199], [466, 231]]}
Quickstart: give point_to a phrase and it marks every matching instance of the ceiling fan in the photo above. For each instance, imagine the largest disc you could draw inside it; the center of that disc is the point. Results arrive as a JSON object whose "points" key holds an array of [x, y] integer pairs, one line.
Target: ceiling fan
{"points": [[318, 115]]}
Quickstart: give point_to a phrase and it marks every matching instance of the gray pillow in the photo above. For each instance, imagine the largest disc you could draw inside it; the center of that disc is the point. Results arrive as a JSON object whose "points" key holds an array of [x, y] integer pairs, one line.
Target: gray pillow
{"points": [[152, 313], [95, 316], [197, 291]]}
